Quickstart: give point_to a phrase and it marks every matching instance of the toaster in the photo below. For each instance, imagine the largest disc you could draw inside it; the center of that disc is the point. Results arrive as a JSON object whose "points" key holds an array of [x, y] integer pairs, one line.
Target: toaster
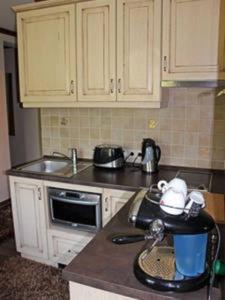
{"points": [[108, 156]]}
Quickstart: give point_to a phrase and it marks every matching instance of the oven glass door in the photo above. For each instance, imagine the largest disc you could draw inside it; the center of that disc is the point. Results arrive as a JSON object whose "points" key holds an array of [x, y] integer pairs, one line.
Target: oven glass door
{"points": [[75, 213]]}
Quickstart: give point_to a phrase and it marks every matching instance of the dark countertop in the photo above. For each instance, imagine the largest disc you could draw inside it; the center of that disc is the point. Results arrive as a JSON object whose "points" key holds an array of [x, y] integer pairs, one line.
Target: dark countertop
{"points": [[130, 178], [107, 266]]}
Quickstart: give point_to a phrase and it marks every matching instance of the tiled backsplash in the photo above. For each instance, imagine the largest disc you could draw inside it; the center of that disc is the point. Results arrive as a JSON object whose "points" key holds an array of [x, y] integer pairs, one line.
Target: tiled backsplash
{"points": [[190, 131]]}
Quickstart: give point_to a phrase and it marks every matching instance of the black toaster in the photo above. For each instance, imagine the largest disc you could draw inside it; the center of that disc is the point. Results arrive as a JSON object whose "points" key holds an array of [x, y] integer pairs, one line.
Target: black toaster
{"points": [[108, 156]]}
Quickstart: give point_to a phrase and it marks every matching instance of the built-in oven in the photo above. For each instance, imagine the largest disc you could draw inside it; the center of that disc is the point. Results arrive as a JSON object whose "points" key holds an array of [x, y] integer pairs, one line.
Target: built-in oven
{"points": [[76, 209]]}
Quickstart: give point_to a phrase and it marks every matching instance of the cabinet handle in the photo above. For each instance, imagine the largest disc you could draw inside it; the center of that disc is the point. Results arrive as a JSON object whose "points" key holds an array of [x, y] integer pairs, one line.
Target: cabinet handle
{"points": [[39, 193], [164, 63], [119, 85], [72, 87], [111, 86], [106, 204]]}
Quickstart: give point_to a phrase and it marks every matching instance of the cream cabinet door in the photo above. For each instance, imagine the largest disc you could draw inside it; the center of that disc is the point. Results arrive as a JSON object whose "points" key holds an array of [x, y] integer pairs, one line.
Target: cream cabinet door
{"points": [[96, 50], [138, 50], [113, 201], [29, 217], [191, 34], [46, 43]]}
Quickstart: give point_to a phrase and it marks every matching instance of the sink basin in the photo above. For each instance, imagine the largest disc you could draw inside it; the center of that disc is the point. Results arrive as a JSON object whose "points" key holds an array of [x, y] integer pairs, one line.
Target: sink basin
{"points": [[46, 166], [53, 167]]}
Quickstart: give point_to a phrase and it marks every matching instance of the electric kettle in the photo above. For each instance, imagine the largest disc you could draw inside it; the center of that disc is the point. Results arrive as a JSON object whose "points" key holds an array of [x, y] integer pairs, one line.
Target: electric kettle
{"points": [[151, 154]]}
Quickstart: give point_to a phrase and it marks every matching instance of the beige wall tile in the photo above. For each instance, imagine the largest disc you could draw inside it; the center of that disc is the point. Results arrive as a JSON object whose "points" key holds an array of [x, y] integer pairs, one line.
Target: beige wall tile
{"points": [[94, 133], [191, 138], [190, 130], [105, 133], [177, 138], [84, 133], [205, 140], [54, 120], [205, 153]]}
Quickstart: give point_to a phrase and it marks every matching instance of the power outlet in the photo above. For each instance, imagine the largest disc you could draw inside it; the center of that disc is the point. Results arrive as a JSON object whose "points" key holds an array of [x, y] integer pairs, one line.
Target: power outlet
{"points": [[132, 158]]}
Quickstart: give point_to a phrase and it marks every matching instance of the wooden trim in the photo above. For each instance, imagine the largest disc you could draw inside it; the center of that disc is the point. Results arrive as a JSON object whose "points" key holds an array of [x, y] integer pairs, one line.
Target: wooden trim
{"points": [[7, 31]]}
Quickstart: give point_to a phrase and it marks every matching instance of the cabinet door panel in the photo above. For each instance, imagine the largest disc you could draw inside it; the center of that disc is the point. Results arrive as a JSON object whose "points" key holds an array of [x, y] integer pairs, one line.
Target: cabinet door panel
{"points": [[29, 216], [138, 48], [117, 204], [191, 39], [46, 53], [28, 222], [96, 50]]}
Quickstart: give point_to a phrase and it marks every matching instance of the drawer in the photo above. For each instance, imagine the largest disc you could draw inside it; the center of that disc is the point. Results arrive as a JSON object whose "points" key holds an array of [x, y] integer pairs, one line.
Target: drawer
{"points": [[64, 246]]}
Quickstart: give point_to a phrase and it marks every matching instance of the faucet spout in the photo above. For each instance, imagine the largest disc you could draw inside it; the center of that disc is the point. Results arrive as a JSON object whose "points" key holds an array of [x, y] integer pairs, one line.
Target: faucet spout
{"points": [[73, 157], [60, 154]]}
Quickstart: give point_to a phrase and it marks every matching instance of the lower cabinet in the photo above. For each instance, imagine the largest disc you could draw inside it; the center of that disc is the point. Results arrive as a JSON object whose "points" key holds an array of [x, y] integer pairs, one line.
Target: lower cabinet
{"points": [[64, 246], [36, 237], [112, 202], [29, 217]]}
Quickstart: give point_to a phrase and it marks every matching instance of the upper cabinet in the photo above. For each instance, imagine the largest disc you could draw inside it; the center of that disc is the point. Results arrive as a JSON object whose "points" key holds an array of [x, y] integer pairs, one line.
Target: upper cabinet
{"points": [[138, 50], [193, 40], [46, 44], [114, 53], [113, 46], [134, 51], [96, 41]]}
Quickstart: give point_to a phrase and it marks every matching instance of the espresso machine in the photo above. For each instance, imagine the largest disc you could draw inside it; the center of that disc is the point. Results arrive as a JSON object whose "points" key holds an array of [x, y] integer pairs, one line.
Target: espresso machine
{"points": [[180, 262], [151, 154]]}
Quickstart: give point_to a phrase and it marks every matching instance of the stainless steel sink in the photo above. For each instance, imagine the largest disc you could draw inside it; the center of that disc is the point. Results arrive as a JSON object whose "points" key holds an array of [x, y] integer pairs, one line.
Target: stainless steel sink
{"points": [[53, 167], [46, 166]]}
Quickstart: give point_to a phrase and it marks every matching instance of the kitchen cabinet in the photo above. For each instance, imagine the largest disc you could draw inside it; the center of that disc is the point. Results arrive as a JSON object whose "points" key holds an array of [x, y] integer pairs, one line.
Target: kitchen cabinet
{"points": [[96, 70], [112, 202], [64, 245], [108, 54], [193, 40], [134, 51], [138, 50], [46, 48], [29, 217]]}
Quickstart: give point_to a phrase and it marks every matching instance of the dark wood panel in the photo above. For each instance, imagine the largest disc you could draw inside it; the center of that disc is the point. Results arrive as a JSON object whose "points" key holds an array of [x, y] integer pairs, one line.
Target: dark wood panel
{"points": [[7, 31]]}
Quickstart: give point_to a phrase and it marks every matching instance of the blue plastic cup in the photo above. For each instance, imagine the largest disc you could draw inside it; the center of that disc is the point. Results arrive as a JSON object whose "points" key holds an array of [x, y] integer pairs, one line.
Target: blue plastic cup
{"points": [[190, 253]]}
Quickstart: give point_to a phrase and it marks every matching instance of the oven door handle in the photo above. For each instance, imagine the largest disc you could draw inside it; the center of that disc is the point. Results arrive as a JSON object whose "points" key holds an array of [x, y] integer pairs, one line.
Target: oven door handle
{"points": [[83, 202]]}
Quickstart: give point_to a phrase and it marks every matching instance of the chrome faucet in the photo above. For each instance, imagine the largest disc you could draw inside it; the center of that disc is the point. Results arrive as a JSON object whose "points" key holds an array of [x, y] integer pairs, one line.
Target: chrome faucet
{"points": [[73, 157]]}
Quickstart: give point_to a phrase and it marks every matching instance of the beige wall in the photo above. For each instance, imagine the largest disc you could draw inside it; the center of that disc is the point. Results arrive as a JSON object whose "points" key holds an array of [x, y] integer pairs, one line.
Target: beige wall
{"points": [[185, 130], [27, 121]]}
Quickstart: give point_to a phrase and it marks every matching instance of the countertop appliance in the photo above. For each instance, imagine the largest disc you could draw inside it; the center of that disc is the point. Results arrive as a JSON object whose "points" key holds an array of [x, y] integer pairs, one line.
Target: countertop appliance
{"points": [[151, 154], [183, 267], [108, 156], [76, 209]]}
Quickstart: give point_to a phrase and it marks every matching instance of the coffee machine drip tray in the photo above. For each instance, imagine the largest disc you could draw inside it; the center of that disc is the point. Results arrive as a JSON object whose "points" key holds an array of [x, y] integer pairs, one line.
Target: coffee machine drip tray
{"points": [[159, 263], [157, 269], [196, 180]]}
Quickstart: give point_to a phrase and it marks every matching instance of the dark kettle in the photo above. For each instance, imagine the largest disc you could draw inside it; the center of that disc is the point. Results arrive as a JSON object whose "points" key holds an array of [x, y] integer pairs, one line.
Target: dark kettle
{"points": [[151, 154]]}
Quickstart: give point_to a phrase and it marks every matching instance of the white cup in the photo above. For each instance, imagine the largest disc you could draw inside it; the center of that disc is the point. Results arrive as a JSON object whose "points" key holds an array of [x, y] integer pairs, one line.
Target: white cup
{"points": [[195, 197], [177, 184], [172, 202]]}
